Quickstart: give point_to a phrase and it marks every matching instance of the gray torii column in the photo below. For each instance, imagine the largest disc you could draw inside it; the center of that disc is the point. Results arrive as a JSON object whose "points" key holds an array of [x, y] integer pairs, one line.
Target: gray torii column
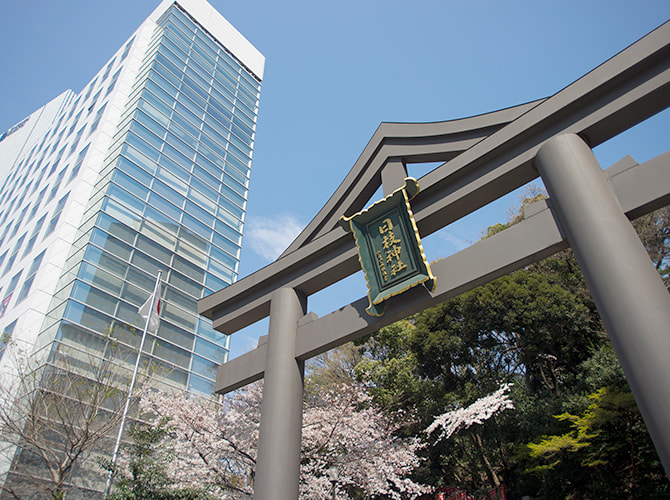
{"points": [[628, 291], [278, 461]]}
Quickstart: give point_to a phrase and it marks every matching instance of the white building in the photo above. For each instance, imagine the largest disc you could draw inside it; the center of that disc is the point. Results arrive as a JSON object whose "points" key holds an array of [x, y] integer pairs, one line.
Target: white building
{"points": [[145, 169]]}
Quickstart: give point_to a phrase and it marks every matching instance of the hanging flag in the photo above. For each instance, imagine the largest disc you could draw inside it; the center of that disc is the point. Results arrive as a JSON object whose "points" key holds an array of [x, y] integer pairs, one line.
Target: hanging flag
{"points": [[151, 316]]}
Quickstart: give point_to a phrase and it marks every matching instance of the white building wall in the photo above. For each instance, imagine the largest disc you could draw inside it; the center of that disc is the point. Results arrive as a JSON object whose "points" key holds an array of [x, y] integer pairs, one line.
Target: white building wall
{"points": [[25, 134]]}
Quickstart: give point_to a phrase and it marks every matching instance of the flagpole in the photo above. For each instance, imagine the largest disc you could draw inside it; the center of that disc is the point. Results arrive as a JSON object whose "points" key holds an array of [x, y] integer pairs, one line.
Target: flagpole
{"points": [[154, 299]]}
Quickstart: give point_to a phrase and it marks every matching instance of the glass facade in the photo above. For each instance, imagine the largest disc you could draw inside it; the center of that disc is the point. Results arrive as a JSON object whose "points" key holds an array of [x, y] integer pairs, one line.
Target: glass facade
{"points": [[171, 197], [145, 170]]}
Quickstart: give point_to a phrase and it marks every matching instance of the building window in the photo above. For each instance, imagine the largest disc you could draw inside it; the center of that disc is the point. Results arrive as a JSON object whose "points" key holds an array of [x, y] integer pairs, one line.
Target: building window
{"points": [[33, 237], [15, 252], [27, 188], [96, 121], [36, 207], [23, 215], [56, 161], [8, 295], [74, 108], [89, 89], [36, 185], [94, 101], [54, 220], [77, 165], [112, 82], [6, 337], [126, 49], [56, 184], [30, 277], [80, 132], [107, 70], [40, 196], [13, 283], [6, 231], [74, 123], [30, 245], [14, 230]]}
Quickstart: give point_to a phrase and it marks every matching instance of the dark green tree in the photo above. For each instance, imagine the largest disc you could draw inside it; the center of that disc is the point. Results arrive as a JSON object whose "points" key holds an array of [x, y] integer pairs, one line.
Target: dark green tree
{"points": [[520, 328], [520, 325], [389, 367], [539, 329], [604, 449]]}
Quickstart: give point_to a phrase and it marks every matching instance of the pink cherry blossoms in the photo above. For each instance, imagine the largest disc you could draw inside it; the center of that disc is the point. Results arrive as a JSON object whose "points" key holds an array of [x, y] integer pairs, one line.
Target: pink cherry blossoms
{"points": [[215, 445], [477, 413], [342, 428]]}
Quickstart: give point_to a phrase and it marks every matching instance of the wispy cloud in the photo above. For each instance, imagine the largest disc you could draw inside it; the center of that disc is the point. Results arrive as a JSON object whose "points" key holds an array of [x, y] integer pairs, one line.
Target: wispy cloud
{"points": [[269, 236], [456, 242], [449, 240]]}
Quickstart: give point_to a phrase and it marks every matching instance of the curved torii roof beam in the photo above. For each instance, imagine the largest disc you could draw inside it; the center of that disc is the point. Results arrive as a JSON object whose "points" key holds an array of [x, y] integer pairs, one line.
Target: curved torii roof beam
{"points": [[410, 143]]}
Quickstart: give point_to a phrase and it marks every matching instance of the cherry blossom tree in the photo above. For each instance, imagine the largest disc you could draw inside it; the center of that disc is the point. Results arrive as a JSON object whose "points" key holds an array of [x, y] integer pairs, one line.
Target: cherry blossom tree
{"points": [[477, 413], [215, 445], [343, 429]]}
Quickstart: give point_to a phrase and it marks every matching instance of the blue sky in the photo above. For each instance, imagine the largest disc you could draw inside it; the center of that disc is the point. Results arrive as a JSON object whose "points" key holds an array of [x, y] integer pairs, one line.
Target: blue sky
{"points": [[334, 71]]}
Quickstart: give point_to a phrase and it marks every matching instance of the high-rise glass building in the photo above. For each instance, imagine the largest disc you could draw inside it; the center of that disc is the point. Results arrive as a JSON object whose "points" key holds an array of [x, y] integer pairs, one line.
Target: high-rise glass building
{"points": [[145, 169]]}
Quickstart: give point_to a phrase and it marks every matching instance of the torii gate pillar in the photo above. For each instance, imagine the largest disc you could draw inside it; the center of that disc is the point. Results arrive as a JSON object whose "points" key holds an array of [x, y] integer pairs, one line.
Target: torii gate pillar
{"points": [[278, 462], [628, 291]]}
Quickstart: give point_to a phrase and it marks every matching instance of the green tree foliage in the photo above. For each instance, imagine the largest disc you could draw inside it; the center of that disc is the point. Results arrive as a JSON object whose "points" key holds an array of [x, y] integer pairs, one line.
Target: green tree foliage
{"points": [[574, 432], [519, 328], [605, 447], [388, 366], [519, 325]]}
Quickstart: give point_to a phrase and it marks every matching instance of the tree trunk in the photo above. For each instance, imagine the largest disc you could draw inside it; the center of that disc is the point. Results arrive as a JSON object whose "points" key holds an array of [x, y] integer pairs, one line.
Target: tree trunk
{"points": [[490, 472]]}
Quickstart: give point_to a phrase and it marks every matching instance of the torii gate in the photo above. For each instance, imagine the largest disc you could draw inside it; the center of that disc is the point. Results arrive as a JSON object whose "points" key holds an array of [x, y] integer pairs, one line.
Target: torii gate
{"points": [[484, 157]]}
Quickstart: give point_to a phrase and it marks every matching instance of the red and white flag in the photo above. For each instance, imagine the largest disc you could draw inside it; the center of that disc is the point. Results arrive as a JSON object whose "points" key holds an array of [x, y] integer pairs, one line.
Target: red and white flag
{"points": [[151, 316]]}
